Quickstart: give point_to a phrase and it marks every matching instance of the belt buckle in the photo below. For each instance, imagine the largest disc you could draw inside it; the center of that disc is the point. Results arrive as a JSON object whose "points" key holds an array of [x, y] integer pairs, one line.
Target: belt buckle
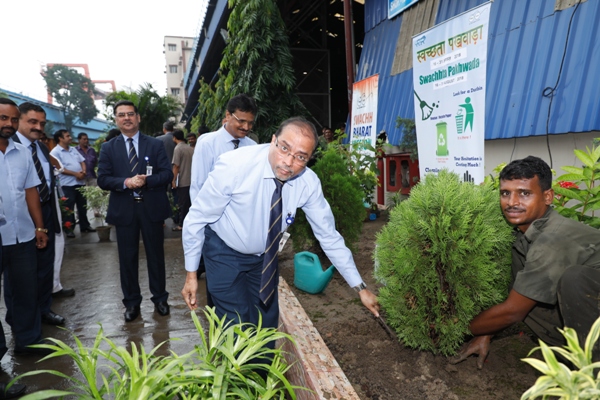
{"points": [[138, 199]]}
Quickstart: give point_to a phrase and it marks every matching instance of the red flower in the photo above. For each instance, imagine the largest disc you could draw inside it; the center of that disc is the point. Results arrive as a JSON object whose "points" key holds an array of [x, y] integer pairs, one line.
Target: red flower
{"points": [[567, 185], [68, 224], [66, 208], [63, 198]]}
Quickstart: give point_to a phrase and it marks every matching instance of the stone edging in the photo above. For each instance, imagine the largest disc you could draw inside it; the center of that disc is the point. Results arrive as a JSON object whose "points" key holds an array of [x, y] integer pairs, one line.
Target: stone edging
{"points": [[314, 365]]}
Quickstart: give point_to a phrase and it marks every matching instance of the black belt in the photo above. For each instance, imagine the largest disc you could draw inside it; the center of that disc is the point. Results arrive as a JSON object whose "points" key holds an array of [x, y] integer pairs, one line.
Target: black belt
{"points": [[138, 199]]}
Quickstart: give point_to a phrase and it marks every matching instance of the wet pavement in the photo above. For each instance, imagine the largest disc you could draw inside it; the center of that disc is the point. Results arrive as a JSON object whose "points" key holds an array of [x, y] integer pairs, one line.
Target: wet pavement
{"points": [[91, 268]]}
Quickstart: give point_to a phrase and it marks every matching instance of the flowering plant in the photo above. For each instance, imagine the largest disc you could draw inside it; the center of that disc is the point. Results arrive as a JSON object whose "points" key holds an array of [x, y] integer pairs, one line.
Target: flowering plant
{"points": [[65, 213], [576, 192]]}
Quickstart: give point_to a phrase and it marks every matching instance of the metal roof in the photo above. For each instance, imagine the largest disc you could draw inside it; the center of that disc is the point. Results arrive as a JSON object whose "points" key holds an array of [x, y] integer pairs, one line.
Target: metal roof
{"points": [[526, 45]]}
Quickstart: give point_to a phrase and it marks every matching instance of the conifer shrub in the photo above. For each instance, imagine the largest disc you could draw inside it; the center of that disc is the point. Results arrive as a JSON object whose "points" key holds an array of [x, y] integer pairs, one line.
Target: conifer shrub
{"points": [[443, 258], [344, 194]]}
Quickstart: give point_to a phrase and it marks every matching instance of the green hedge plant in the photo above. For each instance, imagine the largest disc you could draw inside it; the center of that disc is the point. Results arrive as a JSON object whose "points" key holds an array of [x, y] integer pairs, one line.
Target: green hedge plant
{"points": [[443, 258]]}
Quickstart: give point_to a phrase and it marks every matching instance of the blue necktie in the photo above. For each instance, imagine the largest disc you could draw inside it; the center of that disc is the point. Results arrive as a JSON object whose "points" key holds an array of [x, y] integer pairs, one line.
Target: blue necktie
{"points": [[268, 281], [132, 155], [42, 187], [236, 143]]}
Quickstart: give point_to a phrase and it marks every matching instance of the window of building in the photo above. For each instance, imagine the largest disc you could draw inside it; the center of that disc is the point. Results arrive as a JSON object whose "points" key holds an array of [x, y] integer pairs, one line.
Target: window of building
{"points": [[172, 47], [173, 69], [175, 91]]}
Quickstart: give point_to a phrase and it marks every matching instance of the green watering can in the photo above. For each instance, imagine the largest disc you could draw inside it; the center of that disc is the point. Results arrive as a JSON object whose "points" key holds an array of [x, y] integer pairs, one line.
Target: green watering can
{"points": [[308, 273]]}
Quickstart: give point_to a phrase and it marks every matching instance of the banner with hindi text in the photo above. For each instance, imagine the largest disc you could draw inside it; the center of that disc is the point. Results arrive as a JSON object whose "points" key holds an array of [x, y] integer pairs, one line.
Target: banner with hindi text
{"points": [[449, 75]]}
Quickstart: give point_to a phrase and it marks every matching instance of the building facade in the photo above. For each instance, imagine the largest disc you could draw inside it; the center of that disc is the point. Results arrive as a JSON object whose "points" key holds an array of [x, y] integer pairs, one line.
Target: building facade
{"points": [[177, 51]]}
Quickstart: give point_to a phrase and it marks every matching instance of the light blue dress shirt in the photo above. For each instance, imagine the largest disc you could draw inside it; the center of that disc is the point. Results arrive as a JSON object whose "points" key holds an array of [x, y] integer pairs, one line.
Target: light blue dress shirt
{"points": [[18, 174], [45, 163], [208, 149], [235, 201], [71, 159]]}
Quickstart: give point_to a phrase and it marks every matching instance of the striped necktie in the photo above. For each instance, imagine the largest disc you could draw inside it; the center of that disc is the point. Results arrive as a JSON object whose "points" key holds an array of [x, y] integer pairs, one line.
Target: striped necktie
{"points": [[268, 281], [132, 155], [236, 143], [42, 187]]}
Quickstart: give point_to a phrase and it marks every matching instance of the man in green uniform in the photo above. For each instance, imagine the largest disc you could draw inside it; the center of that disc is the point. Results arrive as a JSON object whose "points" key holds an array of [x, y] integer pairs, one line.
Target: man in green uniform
{"points": [[555, 267]]}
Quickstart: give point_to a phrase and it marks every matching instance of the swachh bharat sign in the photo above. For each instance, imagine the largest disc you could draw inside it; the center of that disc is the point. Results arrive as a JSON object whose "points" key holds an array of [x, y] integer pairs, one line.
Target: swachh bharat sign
{"points": [[449, 65], [363, 124]]}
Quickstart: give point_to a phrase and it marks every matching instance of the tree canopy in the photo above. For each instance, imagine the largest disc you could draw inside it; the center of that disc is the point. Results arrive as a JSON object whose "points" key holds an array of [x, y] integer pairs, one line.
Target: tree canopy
{"points": [[257, 61], [72, 92], [154, 109]]}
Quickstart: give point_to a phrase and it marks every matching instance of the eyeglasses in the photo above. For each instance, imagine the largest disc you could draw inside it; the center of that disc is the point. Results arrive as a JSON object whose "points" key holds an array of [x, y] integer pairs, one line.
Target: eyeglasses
{"points": [[129, 114], [243, 121], [285, 151]]}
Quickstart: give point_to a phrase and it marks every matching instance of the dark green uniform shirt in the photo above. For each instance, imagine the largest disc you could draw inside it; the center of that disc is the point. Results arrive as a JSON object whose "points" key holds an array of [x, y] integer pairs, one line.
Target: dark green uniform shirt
{"points": [[540, 256]]}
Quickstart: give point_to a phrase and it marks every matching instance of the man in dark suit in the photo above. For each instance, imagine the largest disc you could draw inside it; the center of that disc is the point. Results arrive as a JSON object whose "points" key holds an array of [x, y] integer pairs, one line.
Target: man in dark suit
{"points": [[31, 127], [135, 168]]}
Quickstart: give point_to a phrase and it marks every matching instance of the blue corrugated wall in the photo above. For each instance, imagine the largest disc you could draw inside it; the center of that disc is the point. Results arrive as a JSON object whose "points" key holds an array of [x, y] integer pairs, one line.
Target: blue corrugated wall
{"points": [[526, 46]]}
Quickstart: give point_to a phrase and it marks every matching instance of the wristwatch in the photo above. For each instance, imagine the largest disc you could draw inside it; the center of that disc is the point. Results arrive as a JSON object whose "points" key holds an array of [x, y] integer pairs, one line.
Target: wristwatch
{"points": [[360, 287], [41, 230]]}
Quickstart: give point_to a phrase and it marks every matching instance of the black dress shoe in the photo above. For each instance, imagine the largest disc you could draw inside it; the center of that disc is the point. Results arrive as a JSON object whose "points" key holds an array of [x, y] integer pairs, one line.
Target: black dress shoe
{"points": [[162, 308], [132, 313], [88, 229], [64, 293], [52, 318], [15, 390], [33, 350]]}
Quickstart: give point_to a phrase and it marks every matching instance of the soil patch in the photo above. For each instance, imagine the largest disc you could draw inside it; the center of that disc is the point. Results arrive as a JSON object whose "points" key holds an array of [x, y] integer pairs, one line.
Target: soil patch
{"points": [[381, 368]]}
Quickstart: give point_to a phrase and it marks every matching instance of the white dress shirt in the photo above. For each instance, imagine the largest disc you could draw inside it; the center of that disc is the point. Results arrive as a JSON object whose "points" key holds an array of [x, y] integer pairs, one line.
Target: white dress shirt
{"points": [[208, 149], [235, 201]]}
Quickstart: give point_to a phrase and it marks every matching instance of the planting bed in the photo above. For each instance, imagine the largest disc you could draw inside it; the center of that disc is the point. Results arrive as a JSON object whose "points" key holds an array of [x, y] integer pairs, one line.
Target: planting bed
{"points": [[381, 368]]}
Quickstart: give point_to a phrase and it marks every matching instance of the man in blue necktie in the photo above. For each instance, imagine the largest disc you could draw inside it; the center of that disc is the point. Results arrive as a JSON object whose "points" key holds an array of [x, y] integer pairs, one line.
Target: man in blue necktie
{"points": [[135, 168], [236, 223]]}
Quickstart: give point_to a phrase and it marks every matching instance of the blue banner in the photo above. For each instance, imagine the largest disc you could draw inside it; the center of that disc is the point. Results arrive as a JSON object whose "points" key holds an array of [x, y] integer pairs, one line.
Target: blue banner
{"points": [[395, 7]]}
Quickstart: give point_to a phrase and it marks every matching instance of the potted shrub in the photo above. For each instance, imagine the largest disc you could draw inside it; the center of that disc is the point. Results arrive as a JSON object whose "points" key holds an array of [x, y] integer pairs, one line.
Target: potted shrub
{"points": [[97, 199]]}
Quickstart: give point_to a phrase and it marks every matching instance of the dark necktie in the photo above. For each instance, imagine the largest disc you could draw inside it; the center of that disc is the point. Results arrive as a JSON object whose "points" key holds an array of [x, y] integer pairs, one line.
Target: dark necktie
{"points": [[268, 281], [132, 155], [42, 187], [236, 143]]}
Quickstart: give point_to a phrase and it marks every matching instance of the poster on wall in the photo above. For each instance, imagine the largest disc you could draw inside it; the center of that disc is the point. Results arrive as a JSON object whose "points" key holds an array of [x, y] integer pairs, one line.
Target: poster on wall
{"points": [[395, 7], [363, 124], [449, 75]]}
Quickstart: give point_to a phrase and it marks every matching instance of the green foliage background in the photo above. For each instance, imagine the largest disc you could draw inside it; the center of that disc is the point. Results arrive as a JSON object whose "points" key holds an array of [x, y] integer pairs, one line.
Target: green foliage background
{"points": [[344, 195], [257, 61], [73, 93], [443, 258]]}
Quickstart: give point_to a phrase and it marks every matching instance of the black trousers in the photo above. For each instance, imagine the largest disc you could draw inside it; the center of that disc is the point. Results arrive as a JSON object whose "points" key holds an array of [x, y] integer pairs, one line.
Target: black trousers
{"points": [[19, 266], [128, 242], [75, 198], [184, 202]]}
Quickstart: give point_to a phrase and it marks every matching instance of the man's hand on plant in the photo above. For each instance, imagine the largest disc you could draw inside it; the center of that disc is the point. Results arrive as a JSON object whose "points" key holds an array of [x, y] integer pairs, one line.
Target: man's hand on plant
{"points": [[479, 345], [369, 300]]}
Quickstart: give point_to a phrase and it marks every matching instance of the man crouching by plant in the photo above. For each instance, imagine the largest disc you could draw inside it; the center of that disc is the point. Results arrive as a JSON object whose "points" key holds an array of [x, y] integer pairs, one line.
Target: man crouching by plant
{"points": [[555, 267]]}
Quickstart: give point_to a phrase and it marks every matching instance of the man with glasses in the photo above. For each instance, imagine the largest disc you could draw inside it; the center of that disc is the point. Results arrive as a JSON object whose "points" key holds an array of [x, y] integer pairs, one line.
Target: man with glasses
{"points": [[237, 124], [136, 170], [241, 214]]}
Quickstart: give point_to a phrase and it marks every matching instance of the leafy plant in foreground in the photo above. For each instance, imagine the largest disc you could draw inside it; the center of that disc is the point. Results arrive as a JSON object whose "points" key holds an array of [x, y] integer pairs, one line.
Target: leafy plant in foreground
{"points": [[560, 381], [576, 191], [224, 365], [444, 257]]}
